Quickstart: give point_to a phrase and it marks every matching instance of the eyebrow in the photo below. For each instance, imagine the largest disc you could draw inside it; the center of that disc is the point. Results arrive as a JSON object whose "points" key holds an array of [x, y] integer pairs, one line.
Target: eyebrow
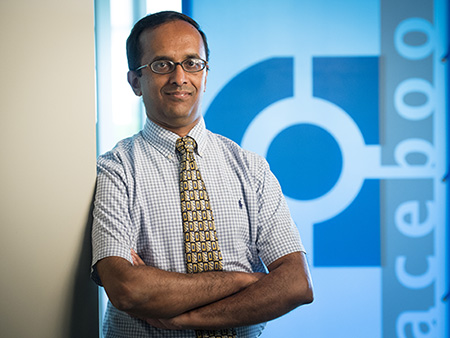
{"points": [[163, 57]]}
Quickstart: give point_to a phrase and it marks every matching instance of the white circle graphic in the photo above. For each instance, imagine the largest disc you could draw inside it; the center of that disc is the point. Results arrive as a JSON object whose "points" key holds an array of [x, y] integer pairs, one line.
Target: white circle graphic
{"points": [[289, 112]]}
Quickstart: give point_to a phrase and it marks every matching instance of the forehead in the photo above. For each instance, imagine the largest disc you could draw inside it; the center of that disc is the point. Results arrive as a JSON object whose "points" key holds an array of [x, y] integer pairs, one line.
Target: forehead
{"points": [[174, 39]]}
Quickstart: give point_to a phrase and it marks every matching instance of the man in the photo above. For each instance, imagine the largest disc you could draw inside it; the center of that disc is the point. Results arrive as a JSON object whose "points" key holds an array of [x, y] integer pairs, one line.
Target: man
{"points": [[139, 251]]}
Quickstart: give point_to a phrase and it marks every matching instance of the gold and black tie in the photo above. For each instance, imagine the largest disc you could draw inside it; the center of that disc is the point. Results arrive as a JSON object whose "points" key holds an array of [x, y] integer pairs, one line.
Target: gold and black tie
{"points": [[200, 237]]}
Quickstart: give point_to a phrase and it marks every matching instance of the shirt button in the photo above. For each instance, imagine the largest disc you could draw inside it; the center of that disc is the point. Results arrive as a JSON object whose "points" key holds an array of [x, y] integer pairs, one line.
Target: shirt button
{"points": [[170, 157]]}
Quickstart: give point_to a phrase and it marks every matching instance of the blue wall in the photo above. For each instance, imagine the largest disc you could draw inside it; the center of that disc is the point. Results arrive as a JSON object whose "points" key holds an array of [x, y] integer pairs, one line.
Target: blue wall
{"points": [[346, 100]]}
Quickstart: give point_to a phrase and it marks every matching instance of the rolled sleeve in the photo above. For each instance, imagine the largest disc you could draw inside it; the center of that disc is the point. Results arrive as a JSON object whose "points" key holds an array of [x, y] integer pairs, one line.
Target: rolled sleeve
{"points": [[112, 231], [277, 233]]}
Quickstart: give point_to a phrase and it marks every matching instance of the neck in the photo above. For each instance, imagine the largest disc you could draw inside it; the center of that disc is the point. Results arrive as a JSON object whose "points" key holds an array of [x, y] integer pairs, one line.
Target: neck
{"points": [[181, 130]]}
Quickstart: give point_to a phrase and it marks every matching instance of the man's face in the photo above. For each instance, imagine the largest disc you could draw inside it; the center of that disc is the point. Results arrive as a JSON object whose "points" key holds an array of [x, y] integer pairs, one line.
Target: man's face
{"points": [[171, 100]]}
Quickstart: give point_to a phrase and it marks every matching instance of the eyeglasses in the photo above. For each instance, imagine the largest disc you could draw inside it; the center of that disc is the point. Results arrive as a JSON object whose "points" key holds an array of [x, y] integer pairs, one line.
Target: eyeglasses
{"points": [[191, 65]]}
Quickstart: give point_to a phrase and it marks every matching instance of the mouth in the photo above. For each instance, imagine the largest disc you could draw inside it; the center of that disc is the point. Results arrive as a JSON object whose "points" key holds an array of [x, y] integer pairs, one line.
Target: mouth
{"points": [[179, 94]]}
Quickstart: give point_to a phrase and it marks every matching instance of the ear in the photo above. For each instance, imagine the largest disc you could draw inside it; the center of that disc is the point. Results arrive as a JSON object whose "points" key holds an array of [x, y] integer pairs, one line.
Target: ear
{"points": [[206, 78], [135, 82]]}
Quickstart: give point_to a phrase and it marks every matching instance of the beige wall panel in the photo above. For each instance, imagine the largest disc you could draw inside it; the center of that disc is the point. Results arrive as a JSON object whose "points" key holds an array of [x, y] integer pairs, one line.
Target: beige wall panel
{"points": [[47, 173]]}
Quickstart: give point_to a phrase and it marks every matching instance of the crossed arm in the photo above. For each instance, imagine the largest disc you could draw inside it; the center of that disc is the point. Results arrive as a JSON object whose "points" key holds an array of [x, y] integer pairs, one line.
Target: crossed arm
{"points": [[211, 300]]}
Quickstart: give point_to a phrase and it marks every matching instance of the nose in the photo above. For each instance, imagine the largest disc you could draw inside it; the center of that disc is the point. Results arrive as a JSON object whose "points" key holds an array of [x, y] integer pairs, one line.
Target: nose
{"points": [[178, 76]]}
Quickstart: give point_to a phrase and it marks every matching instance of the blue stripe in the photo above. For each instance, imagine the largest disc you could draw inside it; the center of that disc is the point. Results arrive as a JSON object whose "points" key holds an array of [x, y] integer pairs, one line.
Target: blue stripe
{"points": [[186, 7], [448, 167]]}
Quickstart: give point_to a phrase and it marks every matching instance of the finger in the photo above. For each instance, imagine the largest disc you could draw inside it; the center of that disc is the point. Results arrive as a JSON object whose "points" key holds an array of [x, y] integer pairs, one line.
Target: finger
{"points": [[156, 323], [133, 256], [137, 261]]}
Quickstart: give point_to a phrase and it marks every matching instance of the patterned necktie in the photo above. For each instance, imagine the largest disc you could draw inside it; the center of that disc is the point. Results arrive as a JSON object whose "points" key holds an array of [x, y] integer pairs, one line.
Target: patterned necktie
{"points": [[200, 237]]}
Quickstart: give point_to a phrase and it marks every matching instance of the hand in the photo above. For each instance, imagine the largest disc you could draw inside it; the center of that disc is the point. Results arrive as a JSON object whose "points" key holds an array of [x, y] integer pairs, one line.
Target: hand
{"points": [[164, 324], [137, 261]]}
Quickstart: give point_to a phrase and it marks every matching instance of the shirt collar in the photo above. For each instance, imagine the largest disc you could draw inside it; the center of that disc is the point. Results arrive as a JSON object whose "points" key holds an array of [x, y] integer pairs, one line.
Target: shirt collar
{"points": [[164, 140], [198, 133]]}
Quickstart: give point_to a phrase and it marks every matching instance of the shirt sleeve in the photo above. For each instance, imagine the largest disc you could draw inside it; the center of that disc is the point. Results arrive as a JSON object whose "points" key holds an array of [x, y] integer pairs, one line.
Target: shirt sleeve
{"points": [[112, 232], [277, 233]]}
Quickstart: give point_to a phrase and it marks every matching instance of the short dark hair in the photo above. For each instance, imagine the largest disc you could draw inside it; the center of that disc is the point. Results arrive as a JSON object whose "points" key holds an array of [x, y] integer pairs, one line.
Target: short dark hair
{"points": [[134, 50]]}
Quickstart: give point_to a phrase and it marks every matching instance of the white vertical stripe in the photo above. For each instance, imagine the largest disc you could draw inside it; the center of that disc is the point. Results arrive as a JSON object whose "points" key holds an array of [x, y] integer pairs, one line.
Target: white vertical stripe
{"points": [[154, 6]]}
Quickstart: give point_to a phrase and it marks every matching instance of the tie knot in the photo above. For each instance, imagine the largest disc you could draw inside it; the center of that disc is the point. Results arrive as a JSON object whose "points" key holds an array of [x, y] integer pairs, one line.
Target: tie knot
{"points": [[186, 144]]}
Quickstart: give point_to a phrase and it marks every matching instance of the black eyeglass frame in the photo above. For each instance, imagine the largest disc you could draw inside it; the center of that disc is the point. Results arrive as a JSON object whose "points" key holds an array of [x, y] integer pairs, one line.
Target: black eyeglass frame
{"points": [[174, 66]]}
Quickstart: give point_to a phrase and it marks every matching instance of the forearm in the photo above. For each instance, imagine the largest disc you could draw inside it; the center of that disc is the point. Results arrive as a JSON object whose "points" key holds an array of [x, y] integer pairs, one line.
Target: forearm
{"points": [[279, 292], [170, 294], [148, 292]]}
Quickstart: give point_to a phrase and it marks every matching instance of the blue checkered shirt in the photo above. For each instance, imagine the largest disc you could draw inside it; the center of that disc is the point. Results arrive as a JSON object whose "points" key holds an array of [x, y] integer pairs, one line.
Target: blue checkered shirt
{"points": [[137, 205]]}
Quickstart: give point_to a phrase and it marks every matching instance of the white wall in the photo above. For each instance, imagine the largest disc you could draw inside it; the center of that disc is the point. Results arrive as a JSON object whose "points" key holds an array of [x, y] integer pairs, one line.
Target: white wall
{"points": [[47, 164]]}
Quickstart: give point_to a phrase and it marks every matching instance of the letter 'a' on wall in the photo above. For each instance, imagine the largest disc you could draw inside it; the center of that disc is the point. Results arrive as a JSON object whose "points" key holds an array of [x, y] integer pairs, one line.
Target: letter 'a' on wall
{"points": [[347, 102]]}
